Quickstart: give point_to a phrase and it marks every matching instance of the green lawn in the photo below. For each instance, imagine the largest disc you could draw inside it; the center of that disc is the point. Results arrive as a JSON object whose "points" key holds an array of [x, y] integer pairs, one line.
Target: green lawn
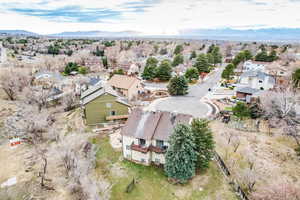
{"points": [[151, 181]]}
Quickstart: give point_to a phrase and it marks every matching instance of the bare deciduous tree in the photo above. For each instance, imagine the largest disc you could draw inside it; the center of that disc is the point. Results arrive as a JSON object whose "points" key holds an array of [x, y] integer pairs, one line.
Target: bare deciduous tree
{"points": [[247, 179], [13, 82], [281, 190], [279, 108], [37, 95], [69, 100]]}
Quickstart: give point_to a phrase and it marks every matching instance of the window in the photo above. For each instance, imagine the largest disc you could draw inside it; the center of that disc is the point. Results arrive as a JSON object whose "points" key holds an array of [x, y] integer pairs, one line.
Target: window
{"points": [[159, 143], [261, 88], [157, 160], [128, 156], [142, 142], [260, 81], [112, 112], [127, 147], [108, 105], [142, 160]]}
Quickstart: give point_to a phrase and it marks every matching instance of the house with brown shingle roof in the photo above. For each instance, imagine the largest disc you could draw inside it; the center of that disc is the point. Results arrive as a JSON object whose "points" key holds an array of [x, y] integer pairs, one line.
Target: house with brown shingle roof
{"points": [[128, 86], [146, 134]]}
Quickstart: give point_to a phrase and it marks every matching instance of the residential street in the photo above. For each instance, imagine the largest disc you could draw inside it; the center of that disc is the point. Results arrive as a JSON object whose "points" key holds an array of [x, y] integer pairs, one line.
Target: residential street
{"points": [[190, 104]]}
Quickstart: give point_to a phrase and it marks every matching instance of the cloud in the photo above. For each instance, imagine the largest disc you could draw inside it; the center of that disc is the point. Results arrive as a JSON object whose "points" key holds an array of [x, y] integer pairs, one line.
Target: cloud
{"points": [[149, 16], [70, 14]]}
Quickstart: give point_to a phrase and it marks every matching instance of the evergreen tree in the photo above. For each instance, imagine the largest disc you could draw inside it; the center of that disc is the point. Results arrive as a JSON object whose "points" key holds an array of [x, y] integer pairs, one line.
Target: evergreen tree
{"points": [[178, 59], [178, 49], [217, 56], [202, 63], [296, 78], [210, 58], [239, 58], [247, 55], [70, 67], [104, 62], [272, 56], [211, 48], [262, 56], [151, 62], [193, 55], [228, 71], [192, 74], [178, 85], [204, 142], [255, 111], [181, 156], [241, 110], [164, 71], [149, 73]]}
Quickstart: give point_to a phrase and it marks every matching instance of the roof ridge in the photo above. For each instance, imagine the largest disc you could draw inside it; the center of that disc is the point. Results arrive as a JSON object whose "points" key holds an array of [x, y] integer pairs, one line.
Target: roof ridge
{"points": [[158, 121]]}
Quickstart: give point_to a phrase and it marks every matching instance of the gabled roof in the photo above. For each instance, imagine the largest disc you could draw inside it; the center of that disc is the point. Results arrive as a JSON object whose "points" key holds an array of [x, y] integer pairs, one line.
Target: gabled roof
{"points": [[48, 74], [98, 90], [247, 90], [167, 123], [153, 125], [122, 81]]}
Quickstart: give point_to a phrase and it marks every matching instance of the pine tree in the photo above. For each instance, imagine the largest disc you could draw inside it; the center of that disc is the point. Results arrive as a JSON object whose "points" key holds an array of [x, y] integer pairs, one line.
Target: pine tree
{"points": [[178, 85], [181, 156], [149, 72], [202, 63], [178, 49], [241, 110], [192, 74], [164, 71], [151, 62], [204, 142], [178, 59], [193, 55], [217, 56], [248, 55], [296, 78]]}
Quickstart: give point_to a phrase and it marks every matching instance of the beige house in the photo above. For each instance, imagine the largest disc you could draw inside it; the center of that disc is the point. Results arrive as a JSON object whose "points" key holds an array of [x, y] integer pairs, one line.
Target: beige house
{"points": [[145, 135], [128, 86]]}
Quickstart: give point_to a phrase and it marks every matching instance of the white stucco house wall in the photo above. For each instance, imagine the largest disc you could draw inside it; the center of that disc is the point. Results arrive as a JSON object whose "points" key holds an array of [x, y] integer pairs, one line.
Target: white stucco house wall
{"points": [[256, 80]]}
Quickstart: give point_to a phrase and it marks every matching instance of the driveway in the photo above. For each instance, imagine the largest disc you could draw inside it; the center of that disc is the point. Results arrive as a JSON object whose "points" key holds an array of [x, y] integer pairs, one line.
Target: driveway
{"points": [[190, 103]]}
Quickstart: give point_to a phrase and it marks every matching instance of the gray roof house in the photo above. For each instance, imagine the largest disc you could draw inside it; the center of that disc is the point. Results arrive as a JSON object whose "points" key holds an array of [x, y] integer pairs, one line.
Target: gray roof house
{"points": [[146, 134]]}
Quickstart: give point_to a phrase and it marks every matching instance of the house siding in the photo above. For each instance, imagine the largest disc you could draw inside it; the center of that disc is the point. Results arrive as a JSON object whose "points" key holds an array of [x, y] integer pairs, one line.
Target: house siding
{"points": [[96, 111], [136, 156]]}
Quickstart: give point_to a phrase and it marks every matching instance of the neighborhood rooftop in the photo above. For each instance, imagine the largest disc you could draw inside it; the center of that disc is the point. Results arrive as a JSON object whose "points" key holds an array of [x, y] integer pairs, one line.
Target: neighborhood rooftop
{"points": [[153, 125]]}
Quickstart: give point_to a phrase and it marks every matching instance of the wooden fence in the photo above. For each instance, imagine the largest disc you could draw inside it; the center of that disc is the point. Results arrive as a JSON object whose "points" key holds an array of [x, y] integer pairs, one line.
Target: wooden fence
{"points": [[234, 184]]}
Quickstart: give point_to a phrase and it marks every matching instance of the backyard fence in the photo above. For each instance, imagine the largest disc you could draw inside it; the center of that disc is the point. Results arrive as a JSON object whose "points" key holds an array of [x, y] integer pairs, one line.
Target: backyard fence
{"points": [[234, 184]]}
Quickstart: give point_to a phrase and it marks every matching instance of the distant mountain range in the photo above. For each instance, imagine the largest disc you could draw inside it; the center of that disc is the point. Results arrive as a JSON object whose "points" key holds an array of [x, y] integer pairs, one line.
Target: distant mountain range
{"points": [[268, 34], [18, 32], [97, 34]]}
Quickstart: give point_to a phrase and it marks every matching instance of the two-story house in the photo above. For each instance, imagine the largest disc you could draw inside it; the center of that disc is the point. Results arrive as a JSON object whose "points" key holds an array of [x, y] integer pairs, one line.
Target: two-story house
{"points": [[146, 134], [128, 86], [257, 80], [100, 104]]}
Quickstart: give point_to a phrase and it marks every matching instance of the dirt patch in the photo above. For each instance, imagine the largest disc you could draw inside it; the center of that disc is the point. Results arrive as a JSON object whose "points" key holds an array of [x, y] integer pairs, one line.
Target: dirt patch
{"points": [[115, 139], [274, 157]]}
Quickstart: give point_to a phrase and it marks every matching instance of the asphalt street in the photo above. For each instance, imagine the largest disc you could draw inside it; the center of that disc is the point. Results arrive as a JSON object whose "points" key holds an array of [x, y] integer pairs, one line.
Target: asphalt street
{"points": [[190, 103]]}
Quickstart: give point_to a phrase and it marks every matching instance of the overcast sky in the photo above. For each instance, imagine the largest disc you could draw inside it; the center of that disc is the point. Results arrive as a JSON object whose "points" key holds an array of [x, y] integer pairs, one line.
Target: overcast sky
{"points": [[146, 16]]}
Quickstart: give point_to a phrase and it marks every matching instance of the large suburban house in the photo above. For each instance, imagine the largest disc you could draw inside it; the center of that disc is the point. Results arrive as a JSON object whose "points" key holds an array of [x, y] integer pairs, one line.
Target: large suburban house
{"points": [[253, 66], [146, 134], [128, 86], [101, 104], [256, 80]]}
